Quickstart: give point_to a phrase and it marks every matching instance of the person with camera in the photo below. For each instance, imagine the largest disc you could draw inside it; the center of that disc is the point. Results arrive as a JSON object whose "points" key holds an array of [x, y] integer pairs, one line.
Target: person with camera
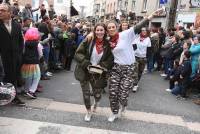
{"points": [[93, 58]]}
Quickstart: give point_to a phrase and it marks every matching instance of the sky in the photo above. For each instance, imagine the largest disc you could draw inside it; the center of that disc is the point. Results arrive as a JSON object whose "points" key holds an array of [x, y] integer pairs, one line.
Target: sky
{"points": [[86, 3]]}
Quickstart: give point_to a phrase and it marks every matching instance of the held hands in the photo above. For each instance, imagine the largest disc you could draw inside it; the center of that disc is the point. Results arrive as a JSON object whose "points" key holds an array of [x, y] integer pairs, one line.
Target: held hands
{"points": [[156, 13]]}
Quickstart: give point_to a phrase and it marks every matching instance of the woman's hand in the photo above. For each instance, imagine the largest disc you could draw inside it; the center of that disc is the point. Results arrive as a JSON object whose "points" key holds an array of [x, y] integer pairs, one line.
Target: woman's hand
{"points": [[156, 13]]}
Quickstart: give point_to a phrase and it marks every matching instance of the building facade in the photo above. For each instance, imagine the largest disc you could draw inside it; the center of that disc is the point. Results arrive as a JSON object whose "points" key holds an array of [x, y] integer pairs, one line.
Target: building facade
{"points": [[111, 8], [188, 13]]}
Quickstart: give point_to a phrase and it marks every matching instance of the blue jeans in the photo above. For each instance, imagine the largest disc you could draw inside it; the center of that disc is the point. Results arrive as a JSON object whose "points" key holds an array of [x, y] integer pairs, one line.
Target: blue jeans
{"points": [[168, 65], [176, 90], [150, 63], [46, 50]]}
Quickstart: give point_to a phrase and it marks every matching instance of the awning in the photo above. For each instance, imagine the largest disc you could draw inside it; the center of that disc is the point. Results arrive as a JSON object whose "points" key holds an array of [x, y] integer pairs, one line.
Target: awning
{"points": [[186, 18]]}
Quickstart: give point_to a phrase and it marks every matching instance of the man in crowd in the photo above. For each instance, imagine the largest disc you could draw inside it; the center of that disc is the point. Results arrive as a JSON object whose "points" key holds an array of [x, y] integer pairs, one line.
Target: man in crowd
{"points": [[27, 12], [11, 47], [51, 12]]}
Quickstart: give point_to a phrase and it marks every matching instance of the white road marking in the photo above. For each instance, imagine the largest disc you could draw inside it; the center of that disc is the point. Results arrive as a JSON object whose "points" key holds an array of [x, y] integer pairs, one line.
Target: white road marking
{"points": [[105, 111], [11, 126]]}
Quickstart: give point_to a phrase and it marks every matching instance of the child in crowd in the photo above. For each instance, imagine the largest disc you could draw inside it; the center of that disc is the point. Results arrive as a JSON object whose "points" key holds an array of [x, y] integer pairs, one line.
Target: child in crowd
{"points": [[186, 70], [174, 79], [30, 68], [182, 78]]}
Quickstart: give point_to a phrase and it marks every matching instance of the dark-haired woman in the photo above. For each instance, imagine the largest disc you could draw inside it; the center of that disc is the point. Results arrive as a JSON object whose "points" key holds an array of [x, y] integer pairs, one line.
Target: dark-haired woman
{"points": [[121, 79], [96, 52], [123, 26], [142, 42]]}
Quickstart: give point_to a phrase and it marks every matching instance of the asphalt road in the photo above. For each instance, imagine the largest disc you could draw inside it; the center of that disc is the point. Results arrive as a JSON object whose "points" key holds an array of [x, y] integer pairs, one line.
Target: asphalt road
{"points": [[150, 98]]}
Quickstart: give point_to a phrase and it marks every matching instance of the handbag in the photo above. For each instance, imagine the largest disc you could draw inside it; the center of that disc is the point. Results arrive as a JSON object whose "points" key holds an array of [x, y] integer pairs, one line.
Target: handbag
{"points": [[7, 93], [96, 69], [79, 73]]}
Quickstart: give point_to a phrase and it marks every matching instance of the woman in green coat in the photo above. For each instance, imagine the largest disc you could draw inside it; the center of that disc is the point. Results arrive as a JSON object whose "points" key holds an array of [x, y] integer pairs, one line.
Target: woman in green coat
{"points": [[96, 52]]}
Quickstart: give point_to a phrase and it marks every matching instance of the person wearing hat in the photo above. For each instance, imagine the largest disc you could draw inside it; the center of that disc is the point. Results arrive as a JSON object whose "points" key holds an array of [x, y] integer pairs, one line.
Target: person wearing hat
{"points": [[30, 68]]}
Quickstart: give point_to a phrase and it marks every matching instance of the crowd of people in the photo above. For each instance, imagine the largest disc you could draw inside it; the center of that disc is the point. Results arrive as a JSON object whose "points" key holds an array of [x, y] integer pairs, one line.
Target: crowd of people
{"points": [[119, 50], [31, 49]]}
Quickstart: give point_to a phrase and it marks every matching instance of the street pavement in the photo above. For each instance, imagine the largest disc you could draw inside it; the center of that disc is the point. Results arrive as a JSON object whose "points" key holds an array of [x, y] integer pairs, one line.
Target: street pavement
{"points": [[60, 110]]}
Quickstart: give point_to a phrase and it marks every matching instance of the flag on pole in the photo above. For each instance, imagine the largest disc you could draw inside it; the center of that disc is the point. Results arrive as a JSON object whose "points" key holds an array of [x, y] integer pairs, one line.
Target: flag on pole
{"points": [[73, 11]]}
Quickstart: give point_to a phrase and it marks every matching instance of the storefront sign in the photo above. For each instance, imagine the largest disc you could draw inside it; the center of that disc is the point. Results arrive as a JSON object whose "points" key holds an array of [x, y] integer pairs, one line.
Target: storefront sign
{"points": [[195, 3]]}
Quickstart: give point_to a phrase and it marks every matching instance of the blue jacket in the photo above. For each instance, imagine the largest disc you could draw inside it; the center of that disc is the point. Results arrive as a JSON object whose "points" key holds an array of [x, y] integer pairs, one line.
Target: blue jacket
{"points": [[195, 53]]}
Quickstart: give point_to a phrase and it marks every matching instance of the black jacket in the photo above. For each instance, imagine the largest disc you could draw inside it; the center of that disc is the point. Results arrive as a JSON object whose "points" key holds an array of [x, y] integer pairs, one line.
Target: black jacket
{"points": [[84, 52], [83, 55], [11, 49], [174, 51], [186, 69], [31, 55], [43, 28]]}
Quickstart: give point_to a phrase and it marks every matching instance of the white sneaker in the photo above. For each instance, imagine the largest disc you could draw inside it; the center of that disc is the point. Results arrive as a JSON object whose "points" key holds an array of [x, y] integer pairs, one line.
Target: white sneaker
{"points": [[135, 88], [49, 74], [88, 117], [168, 90], [163, 75], [113, 117]]}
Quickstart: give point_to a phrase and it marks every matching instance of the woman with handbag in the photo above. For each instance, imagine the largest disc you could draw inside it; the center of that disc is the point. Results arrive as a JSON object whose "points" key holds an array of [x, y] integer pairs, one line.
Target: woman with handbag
{"points": [[96, 52]]}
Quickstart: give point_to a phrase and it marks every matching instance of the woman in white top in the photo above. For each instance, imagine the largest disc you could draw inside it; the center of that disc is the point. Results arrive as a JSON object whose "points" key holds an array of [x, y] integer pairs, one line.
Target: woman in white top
{"points": [[142, 42], [121, 75]]}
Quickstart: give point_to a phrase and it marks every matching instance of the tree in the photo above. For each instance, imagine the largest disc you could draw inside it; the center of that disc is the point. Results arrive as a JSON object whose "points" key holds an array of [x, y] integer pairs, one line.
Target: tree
{"points": [[172, 13]]}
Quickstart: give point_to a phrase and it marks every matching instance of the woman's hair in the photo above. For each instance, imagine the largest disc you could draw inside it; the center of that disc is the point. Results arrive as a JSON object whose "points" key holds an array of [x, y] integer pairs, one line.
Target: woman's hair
{"points": [[188, 43], [198, 37], [32, 34], [120, 27], [177, 38], [187, 34], [112, 21], [187, 54], [102, 25], [176, 63], [147, 31]]}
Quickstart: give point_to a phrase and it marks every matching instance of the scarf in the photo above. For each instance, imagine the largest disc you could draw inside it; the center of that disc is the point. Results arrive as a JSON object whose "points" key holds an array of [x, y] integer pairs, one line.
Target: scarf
{"points": [[142, 37], [99, 46], [114, 40]]}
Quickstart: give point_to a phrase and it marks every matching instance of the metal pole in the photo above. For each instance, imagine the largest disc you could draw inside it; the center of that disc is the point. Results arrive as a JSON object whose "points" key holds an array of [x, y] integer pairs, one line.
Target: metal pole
{"points": [[70, 6]]}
